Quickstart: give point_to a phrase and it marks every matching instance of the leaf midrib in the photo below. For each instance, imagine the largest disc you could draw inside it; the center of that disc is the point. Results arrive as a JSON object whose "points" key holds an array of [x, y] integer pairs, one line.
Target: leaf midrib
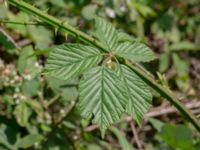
{"points": [[102, 94]]}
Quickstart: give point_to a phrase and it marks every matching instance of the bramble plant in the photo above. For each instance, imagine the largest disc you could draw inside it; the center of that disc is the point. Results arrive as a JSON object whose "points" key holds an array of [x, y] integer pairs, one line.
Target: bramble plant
{"points": [[107, 89], [111, 81], [90, 81]]}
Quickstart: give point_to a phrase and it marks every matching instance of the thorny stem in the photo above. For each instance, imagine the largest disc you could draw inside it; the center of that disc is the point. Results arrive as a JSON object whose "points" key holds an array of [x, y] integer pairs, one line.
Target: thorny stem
{"points": [[88, 39]]}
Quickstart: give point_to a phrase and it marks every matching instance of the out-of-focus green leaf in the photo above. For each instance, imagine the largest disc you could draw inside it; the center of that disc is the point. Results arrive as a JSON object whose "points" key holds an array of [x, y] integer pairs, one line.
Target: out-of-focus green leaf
{"points": [[59, 141], [41, 36], [10, 142], [22, 113], [3, 137], [166, 22], [42, 52], [45, 127], [124, 143], [157, 124], [29, 141], [35, 106], [67, 89], [9, 133], [94, 147], [27, 63], [182, 68], [177, 136], [3, 11], [184, 46], [164, 62], [30, 87], [144, 10], [8, 99], [59, 3], [100, 2], [19, 17], [174, 35], [56, 84], [69, 125], [119, 8], [89, 11]]}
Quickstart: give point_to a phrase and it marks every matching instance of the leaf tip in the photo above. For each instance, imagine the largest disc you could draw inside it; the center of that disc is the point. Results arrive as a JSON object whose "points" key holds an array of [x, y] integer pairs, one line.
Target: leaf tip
{"points": [[103, 131]]}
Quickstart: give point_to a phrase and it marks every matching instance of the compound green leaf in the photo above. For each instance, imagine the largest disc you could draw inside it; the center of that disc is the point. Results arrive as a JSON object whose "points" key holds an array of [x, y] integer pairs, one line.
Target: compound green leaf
{"points": [[134, 51], [106, 33], [103, 95], [70, 60], [139, 95]]}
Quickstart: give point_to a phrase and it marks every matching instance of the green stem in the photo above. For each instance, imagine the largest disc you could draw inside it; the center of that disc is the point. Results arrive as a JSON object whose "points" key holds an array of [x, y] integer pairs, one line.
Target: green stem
{"points": [[88, 39], [22, 23]]}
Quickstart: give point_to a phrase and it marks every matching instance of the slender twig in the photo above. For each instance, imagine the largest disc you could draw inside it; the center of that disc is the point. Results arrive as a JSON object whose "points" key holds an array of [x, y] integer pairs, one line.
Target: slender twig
{"points": [[159, 111], [9, 38], [194, 107], [55, 98], [135, 135], [168, 110], [165, 93], [24, 42]]}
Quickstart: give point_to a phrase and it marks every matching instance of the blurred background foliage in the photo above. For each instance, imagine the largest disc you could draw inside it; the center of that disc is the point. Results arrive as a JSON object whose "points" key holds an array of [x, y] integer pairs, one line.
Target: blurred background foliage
{"points": [[37, 111]]}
